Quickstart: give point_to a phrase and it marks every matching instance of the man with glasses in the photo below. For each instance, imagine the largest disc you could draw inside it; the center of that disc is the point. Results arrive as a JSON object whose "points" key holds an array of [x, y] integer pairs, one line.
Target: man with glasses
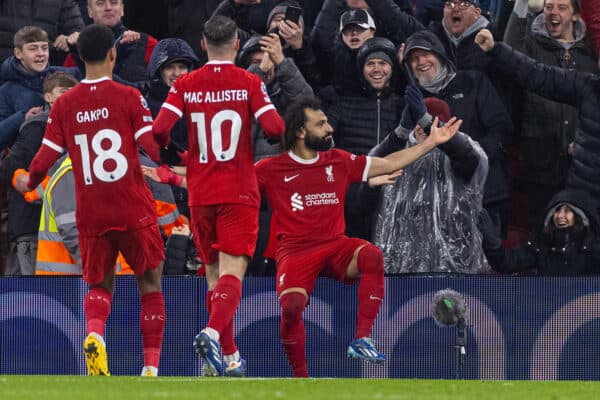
{"points": [[457, 29], [463, 5], [460, 23]]}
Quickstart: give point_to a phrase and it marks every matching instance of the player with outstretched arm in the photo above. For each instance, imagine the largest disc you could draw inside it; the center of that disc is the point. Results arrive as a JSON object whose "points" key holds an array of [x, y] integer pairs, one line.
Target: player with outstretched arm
{"points": [[306, 186]]}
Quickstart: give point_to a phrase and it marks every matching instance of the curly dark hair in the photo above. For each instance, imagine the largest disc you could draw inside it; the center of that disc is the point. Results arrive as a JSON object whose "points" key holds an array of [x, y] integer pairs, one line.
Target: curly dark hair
{"points": [[295, 117]]}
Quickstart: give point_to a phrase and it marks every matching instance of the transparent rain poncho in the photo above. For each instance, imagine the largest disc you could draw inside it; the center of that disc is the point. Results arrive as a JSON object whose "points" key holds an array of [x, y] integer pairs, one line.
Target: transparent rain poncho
{"points": [[427, 220]]}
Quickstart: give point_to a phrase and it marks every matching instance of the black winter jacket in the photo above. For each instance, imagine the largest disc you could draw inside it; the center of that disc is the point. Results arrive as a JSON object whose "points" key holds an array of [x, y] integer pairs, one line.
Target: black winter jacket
{"points": [[560, 254], [177, 253], [547, 127], [361, 122], [287, 86], [472, 97], [23, 217], [580, 90], [336, 61], [130, 64], [468, 56], [186, 21], [247, 18]]}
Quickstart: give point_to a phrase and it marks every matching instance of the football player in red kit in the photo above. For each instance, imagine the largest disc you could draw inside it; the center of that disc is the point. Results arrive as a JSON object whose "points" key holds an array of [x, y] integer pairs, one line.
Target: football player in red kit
{"points": [[306, 187], [115, 209], [219, 103]]}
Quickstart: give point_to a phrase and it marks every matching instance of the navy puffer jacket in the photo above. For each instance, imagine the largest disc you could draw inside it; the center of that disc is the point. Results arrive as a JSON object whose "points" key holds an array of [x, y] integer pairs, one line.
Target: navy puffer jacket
{"points": [[20, 92]]}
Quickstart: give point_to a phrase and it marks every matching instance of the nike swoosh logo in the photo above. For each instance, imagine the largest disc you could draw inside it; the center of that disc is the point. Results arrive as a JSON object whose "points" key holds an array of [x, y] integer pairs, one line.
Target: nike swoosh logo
{"points": [[289, 178], [374, 298]]}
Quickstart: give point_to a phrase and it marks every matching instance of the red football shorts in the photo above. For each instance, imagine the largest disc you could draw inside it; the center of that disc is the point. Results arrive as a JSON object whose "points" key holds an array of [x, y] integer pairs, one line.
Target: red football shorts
{"points": [[227, 228], [143, 249], [300, 266]]}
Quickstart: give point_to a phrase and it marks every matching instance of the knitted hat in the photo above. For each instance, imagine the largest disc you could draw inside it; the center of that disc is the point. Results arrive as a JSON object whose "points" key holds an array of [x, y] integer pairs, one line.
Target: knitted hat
{"points": [[381, 55], [438, 108]]}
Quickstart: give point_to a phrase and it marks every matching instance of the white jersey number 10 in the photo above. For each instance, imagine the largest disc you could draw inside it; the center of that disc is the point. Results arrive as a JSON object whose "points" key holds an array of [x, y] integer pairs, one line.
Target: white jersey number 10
{"points": [[216, 135]]}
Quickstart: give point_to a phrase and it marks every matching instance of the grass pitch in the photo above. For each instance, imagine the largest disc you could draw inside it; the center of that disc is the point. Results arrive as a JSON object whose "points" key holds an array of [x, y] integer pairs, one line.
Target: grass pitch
{"points": [[42, 387]]}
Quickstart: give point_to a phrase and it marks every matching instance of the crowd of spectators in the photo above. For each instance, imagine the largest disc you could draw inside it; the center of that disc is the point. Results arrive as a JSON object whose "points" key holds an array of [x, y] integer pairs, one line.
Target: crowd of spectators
{"points": [[516, 190]]}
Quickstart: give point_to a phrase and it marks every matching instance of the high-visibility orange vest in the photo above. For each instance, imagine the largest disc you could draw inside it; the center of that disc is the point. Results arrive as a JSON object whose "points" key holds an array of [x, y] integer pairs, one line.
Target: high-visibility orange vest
{"points": [[53, 258]]}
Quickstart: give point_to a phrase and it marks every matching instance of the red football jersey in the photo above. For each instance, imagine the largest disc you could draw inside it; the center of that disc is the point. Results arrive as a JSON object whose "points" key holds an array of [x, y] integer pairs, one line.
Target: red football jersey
{"points": [[99, 122], [307, 196], [219, 102]]}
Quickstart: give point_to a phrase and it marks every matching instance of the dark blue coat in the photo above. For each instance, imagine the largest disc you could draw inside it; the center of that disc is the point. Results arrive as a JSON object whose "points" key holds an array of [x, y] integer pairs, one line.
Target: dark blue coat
{"points": [[20, 92]]}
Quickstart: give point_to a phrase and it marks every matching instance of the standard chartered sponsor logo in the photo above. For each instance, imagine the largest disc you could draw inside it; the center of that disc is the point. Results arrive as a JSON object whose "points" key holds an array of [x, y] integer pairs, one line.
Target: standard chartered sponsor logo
{"points": [[321, 199], [313, 199], [297, 202]]}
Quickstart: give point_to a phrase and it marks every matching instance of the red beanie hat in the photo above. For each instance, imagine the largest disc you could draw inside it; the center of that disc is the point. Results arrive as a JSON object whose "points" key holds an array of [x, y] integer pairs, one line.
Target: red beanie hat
{"points": [[438, 108]]}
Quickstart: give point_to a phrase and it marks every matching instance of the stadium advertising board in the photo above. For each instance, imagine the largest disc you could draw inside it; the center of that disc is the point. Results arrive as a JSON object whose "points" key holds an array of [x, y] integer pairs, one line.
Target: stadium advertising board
{"points": [[518, 328]]}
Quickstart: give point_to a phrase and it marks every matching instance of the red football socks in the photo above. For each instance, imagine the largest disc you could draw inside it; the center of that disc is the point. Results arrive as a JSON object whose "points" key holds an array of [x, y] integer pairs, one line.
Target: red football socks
{"points": [[291, 330], [152, 323], [226, 338], [224, 303], [370, 289], [97, 308]]}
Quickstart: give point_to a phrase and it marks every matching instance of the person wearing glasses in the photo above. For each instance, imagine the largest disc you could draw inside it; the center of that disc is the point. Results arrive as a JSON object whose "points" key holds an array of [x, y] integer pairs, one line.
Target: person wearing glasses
{"points": [[456, 30]]}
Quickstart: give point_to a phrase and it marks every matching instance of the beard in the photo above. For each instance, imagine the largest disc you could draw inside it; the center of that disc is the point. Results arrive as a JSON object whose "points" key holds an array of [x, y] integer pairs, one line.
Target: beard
{"points": [[318, 144]]}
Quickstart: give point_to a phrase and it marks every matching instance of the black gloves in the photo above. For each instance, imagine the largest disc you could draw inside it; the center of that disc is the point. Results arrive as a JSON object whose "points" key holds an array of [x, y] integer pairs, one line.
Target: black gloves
{"points": [[489, 231]]}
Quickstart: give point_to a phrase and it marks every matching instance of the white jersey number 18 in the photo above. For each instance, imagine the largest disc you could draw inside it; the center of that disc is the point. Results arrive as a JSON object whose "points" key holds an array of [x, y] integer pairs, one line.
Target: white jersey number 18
{"points": [[97, 170]]}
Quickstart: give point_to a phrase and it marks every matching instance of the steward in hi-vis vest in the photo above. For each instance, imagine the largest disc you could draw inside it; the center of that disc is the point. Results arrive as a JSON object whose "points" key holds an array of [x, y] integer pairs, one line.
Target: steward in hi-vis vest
{"points": [[58, 247]]}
